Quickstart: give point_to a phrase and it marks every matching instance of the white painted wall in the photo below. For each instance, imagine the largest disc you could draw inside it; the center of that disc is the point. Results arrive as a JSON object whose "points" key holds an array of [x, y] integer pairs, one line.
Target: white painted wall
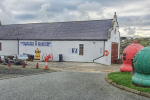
{"points": [[9, 47], [108, 46], [106, 59], [115, 37], [91, 50]]}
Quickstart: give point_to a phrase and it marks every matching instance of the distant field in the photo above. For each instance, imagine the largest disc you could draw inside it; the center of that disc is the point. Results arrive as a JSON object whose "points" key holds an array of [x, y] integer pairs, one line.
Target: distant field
{"points": [[143, 41]]}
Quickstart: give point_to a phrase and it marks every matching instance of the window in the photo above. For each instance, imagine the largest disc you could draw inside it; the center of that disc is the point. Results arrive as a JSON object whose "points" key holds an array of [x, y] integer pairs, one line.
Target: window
{"points": [[80, 49], [0, 46]]}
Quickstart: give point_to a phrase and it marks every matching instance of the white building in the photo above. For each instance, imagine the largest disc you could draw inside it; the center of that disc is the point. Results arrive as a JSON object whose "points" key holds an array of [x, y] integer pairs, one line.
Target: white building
{"points": [[81, 41]]}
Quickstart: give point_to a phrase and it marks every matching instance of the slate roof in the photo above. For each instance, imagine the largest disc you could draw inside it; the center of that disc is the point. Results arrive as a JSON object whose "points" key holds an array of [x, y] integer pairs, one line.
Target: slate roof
{"points": [[74, 30]]}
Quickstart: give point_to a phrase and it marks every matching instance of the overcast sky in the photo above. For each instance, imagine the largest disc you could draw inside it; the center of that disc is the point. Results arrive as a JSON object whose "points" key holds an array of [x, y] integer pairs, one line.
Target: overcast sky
{"points": [[133, 15]]}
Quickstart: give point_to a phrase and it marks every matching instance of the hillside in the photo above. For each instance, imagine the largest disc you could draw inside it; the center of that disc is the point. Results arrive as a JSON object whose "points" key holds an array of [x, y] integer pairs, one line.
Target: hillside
{"points": [[143, 41]]}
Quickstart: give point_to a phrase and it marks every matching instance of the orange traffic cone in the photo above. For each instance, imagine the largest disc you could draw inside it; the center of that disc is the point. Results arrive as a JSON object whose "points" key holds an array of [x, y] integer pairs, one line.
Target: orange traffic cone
{"points": [[46, 67]]}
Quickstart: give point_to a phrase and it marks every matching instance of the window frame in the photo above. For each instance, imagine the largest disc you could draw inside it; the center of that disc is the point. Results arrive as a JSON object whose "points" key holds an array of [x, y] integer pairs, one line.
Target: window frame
{"points": [[0, 46], [81, 49]]}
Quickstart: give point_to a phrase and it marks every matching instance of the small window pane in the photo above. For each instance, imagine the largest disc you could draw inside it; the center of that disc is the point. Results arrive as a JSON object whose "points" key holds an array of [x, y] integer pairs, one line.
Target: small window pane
{"points": [[80, 49]]}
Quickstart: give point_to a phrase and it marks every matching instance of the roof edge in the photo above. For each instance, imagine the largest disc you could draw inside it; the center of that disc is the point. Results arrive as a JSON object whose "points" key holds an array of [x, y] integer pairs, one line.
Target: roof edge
{"points": [[60, 39], [57, 22]]}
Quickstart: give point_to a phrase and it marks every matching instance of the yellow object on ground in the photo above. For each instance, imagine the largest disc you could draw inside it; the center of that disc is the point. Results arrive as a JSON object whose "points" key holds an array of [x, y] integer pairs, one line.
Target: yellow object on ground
{"points": [[37, 54]]}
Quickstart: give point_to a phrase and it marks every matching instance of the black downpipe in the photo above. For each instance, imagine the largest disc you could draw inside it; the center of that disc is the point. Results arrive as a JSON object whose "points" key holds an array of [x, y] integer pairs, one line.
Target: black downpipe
{"points": [[102, 55], [18, 46]]}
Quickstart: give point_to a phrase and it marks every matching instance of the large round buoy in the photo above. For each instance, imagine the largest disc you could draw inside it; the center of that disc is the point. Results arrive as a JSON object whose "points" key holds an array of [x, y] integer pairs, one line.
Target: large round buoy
{"points": [[141, 64], [128, 54]]}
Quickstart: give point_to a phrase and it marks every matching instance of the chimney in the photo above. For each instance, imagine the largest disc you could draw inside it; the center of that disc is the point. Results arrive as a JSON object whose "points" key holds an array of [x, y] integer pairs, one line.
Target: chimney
{"points": [[115, 16]]}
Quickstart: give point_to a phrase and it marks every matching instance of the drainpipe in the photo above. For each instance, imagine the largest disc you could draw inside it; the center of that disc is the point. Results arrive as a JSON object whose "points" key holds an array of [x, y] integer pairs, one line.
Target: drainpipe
{"points": [[18, 45], [102, 55]]}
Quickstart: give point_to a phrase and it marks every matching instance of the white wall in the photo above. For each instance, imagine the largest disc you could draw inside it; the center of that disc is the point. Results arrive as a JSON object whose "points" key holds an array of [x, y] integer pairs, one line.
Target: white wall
{"points": [[106, 59], [115, 37], [9, 47], [108, 46], [91, 50]]}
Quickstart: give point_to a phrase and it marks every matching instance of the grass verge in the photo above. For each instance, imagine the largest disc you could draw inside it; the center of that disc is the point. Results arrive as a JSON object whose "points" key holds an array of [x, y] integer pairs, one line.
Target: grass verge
{"points": [[125, 79]]}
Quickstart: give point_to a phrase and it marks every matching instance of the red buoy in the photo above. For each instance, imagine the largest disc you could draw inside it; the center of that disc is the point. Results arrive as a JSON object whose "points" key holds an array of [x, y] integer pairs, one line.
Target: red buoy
{"points": [[23, 64], [9, 63], [37, 65], [128, 54]]}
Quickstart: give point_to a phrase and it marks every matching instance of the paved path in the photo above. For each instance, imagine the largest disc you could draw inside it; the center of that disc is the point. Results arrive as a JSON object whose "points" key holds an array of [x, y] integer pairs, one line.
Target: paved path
{"points": [[63, 86], [77, 66]]}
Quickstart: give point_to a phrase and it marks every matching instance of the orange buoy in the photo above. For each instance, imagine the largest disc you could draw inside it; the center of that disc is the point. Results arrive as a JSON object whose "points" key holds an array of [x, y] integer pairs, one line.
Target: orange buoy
{"points": [[106, 53]]}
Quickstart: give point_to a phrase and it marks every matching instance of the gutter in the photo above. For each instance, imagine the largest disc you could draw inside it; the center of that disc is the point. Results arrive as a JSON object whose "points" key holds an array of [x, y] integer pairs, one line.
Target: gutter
{"points": [[18, 46], [102, 55], [61, 39]]}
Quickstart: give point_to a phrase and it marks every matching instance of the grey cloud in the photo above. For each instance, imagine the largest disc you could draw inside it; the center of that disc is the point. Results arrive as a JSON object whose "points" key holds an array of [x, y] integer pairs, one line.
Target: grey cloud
{"points": [[20, 11], [135, 21], [6, 15], [28, 5], [42, 13], [58, 6], [146, 33], [65, 16], [82, 12], [130, 31], [25, 16], [89, 6], [141, 29]]}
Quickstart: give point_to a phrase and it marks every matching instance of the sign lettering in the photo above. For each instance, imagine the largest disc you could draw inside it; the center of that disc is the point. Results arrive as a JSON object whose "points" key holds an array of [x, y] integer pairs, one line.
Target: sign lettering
{"points": [[44, 43], [27, 43]]}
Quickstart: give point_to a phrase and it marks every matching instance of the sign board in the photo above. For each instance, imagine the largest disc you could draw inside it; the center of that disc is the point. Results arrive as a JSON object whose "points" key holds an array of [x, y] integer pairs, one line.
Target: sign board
{"points": [[74, 50], [22, 57], [44, 44], [26, 43]]}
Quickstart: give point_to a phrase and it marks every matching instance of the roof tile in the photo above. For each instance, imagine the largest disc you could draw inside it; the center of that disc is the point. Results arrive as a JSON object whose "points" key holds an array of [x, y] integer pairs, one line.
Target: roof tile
{"points": [[75, 30]]}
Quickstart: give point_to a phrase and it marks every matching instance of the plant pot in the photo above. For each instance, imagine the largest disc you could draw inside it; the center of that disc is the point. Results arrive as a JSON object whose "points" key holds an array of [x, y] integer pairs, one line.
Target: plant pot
{"points": [[119, 61]]}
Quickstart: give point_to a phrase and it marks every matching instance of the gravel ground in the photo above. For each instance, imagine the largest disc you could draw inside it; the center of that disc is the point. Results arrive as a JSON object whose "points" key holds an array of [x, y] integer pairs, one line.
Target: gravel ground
{"points": [[76, 66], [66, 85], [6, 71], [16, 70], [63, 86]]}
